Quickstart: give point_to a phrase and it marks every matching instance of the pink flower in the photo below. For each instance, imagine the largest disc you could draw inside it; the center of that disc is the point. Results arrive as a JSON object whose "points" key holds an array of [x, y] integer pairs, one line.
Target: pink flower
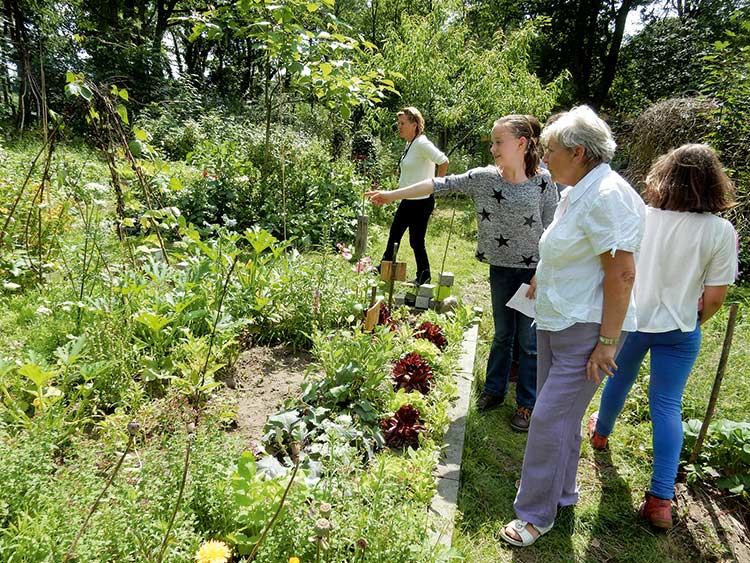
{"points": [[363, 265], [345, 252]]}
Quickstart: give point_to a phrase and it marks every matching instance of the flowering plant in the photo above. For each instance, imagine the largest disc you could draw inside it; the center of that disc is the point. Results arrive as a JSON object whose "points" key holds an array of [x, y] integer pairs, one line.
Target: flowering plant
{"points": [[363, 265], [346, 253], [403, 428], [213, 551], [385, 318], [412, 372]]}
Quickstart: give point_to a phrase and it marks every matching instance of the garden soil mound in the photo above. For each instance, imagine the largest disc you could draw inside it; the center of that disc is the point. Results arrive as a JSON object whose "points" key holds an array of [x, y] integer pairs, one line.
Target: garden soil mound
{"points": [[263, 378]]}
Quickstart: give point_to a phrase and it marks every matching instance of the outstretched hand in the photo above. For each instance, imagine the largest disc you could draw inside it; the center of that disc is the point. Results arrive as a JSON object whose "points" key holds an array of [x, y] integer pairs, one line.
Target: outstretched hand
{"points": [[378, 197]]}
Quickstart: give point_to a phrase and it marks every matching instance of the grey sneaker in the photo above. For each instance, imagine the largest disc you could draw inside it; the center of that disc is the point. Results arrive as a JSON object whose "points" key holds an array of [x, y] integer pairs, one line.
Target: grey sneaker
{"points": [[487, 402], [520, 420]]}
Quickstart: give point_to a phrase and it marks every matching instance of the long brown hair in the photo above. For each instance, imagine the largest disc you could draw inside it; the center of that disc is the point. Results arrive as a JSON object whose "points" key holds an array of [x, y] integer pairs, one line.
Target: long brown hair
{"points": [[689, 178], [521, 126]]}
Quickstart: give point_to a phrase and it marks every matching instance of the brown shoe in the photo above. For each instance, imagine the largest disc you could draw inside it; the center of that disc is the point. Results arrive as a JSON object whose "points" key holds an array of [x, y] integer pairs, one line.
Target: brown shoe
{"points": [[487, 401], [658, 511], [520, 420], [598, 442]]}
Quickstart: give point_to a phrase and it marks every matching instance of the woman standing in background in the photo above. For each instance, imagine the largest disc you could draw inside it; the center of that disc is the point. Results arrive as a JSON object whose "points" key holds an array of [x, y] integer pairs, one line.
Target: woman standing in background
{"points": [[417, 163]]}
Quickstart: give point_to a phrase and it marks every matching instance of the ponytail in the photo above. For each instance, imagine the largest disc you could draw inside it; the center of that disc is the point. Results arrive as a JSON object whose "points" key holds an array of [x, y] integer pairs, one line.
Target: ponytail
{"points": [[526, 126]]}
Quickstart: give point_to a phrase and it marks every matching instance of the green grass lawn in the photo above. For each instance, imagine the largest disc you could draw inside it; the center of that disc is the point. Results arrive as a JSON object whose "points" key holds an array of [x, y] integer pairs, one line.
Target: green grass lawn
{"points": [[604, 526]]}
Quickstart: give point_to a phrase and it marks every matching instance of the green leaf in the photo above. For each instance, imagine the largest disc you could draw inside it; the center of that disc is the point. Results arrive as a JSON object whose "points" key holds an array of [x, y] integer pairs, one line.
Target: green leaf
{"points": [[312, 7], [87, 93], [123, 94], [140, 134], [123, 113], [73, 89], [36, 374], [246, 466], [285, 420], [70, 77], [175, 184], [154, 321]]}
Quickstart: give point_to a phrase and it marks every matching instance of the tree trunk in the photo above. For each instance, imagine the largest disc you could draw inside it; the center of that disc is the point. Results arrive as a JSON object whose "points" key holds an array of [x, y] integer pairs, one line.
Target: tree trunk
{"points": [[613, 54], [27, 87]]}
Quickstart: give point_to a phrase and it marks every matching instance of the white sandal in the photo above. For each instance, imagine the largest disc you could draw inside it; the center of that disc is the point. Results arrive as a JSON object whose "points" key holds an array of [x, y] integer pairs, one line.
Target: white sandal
{"points": [[527, 538]]}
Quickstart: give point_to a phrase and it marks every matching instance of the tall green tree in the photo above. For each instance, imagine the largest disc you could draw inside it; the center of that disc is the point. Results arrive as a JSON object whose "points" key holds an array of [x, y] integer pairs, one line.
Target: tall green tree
{"points": [[666, 58], [584, 37], [305, 59], [461, 84]]}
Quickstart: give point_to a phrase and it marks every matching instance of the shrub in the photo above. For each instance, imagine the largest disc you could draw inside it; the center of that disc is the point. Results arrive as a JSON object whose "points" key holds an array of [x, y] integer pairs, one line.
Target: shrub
{"points": [[296, 191]]}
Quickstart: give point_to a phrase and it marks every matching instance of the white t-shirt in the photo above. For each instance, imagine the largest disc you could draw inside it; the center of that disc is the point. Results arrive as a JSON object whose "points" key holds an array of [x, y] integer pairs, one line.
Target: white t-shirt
{"points": [[601, 213], [418, 163], [681, 253]]}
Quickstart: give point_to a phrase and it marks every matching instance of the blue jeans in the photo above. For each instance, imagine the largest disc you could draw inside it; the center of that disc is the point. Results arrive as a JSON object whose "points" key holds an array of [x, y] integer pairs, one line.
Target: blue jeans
{"points": [[673, 355], [511, 325]]}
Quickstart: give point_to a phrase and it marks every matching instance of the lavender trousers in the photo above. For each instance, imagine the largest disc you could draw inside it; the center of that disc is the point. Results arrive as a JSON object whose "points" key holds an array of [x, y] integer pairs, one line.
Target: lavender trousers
{"points": [[553, 446]]}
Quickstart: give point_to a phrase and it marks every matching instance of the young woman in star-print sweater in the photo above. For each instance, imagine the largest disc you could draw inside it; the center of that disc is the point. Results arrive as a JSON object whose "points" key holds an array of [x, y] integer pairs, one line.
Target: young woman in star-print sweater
{"points": [[515, 201]]}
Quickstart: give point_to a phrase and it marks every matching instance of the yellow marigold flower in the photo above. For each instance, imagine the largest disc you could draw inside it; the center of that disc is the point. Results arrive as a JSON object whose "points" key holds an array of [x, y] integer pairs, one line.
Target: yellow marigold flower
{"points": [[213, 551], [294, 560]]}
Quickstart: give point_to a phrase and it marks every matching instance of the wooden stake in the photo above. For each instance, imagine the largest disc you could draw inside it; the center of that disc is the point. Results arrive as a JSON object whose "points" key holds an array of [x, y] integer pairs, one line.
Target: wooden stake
{"points": [[390, 283], [717, 383], [360, 242], [372, 316]]}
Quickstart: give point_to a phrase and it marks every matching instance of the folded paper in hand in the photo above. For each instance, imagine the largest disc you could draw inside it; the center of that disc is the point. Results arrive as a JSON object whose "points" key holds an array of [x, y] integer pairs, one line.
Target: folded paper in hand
{"points": [[521, 303]]}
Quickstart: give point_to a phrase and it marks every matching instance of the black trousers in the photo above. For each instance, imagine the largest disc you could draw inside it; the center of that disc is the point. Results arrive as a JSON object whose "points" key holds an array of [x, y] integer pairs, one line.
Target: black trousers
{"points": [[412, 214]]}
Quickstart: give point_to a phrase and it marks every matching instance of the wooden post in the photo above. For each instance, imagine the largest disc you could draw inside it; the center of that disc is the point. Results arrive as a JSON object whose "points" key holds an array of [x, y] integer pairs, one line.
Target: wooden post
{"points": [[390, 283], [372, 316], [360, 242], [717, 383]]}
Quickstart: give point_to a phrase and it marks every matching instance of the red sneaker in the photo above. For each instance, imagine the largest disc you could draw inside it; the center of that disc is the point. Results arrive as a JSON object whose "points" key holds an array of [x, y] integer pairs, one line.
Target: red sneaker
{"points": [[658, 511], [598, 442]]}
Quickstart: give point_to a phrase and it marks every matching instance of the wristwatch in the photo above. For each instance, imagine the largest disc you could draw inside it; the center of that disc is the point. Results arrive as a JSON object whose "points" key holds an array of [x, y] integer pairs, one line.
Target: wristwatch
{"points": [[608, 341]]}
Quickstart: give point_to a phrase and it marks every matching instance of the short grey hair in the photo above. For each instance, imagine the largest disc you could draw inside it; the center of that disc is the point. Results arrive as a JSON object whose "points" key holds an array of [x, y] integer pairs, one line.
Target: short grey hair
{"points": [[581, 126]]}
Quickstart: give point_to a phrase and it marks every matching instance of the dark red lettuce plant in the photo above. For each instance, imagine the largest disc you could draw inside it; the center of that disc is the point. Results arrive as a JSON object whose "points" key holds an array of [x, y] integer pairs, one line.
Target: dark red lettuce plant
{"points": [[432, 332], [403, 428], [411, 373], [385, 317]]}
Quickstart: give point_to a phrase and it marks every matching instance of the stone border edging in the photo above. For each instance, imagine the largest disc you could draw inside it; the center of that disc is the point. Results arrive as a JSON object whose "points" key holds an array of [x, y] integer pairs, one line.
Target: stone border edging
{"points": [[443, 506]]}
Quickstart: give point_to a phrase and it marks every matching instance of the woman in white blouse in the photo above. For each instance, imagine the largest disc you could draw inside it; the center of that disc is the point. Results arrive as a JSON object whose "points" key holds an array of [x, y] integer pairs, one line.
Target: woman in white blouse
{"points": [[417, 163], [582, 289], [687, 252]]}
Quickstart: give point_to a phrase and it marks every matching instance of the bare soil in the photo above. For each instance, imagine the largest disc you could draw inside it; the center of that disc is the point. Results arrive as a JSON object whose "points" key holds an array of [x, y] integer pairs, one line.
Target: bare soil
{"points": [[715, 525], [263, 378]]}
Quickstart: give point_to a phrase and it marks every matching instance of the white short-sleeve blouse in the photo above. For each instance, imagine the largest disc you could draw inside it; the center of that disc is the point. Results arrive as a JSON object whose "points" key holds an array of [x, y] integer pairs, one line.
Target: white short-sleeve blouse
{"points": [[601, 213], [682, 253]]}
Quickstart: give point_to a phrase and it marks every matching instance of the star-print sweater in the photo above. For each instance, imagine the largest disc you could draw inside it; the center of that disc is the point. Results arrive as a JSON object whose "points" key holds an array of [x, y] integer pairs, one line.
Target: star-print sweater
{"points": [[510, 217]]}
